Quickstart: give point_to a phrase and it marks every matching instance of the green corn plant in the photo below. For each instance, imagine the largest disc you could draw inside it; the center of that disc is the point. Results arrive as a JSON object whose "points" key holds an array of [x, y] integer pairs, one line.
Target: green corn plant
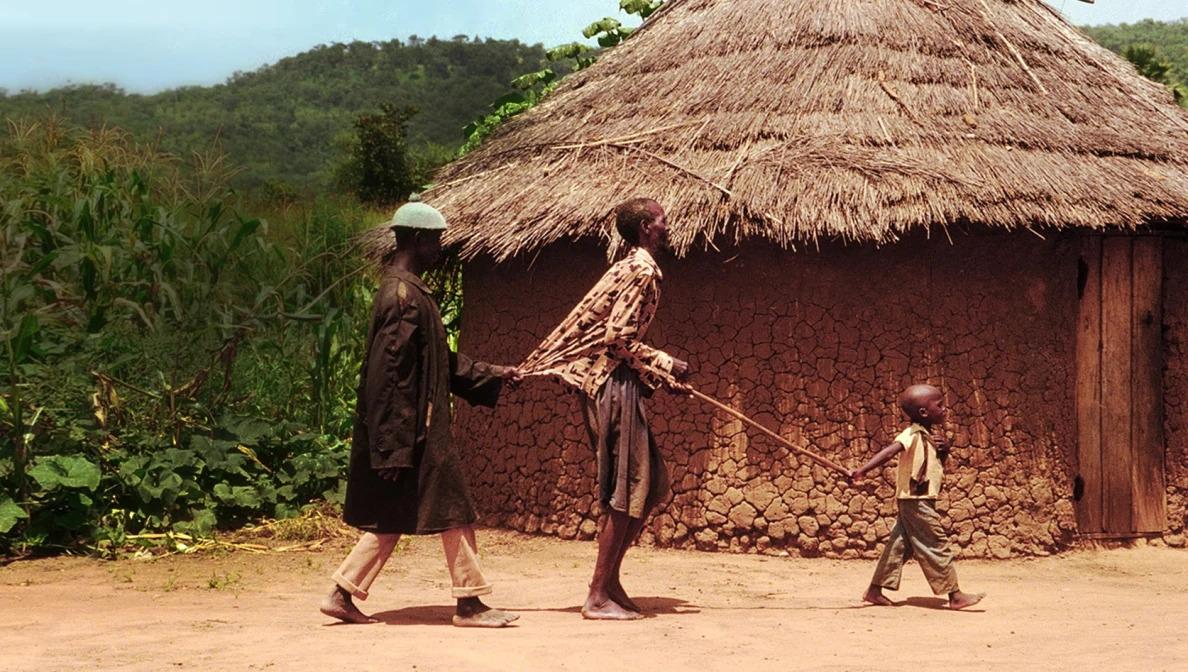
{"points": [[143, 316]]}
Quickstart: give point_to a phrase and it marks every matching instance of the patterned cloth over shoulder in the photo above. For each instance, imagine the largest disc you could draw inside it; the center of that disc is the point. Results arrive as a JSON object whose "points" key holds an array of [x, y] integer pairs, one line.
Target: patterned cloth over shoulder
{"points": [[607, 328]]}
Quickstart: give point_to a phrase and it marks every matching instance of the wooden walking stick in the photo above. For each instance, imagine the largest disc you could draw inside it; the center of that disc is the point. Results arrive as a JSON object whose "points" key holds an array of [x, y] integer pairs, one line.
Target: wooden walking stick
{"points": [[688, 389], [824, 462]]}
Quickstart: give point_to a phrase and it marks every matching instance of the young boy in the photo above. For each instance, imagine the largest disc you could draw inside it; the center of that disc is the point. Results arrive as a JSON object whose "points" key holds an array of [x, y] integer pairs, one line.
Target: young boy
{"points": [[917, 532]]}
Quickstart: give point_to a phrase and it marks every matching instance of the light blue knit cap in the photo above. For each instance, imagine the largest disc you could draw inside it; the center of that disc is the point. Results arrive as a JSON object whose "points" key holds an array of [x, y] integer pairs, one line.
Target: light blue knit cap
{"points": [[418, 215]]}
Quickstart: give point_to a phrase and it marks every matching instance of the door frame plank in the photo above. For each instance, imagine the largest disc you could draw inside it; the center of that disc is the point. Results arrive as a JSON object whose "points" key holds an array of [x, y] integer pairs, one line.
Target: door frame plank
{"points": [[1148, 480], [1116, 418]]}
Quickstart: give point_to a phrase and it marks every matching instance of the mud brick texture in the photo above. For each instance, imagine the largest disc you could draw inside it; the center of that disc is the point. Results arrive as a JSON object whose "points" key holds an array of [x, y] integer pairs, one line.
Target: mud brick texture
{"points": [[1175, 386], [817, 345]]}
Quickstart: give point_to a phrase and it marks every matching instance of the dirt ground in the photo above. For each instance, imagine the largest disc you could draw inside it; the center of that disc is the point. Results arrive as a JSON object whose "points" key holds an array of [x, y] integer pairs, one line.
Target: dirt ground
{"points": [[1089, 610]]}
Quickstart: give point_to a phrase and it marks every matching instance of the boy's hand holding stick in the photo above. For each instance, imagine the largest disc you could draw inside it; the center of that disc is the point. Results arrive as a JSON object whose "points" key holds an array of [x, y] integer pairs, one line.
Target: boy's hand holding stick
{"points": [[943, 446]]}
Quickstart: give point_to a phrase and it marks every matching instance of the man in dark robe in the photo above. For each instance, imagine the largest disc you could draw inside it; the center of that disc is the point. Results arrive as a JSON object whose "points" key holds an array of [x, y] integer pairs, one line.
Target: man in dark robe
{"points": [[405, 477]]}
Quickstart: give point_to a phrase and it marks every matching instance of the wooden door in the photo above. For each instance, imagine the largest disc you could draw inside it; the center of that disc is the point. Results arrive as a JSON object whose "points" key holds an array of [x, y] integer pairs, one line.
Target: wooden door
{"points": [[1120, 489]]}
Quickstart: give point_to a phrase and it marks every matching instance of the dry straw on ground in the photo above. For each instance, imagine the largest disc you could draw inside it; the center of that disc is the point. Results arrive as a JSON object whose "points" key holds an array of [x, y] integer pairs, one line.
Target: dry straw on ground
{"points": [[316, 527]]}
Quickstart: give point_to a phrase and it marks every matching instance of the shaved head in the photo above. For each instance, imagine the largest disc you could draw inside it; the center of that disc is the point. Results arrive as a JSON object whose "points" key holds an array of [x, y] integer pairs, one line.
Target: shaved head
{"points": [[918, 397], [631, 215]]}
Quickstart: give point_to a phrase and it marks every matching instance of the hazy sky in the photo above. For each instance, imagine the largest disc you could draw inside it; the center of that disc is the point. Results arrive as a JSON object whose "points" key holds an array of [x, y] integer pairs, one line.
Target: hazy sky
{"points": [[147, 45]]}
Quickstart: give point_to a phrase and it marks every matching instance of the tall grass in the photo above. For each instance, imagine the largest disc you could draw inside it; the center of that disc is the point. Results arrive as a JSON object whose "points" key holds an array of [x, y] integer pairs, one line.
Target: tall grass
{"points": [[167, 360]]}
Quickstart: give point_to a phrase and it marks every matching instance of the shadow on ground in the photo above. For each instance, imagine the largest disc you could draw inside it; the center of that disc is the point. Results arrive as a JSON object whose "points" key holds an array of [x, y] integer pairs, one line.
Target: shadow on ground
{"points": [[443, 614], [422, 615], [939, 603], [651, 606]]}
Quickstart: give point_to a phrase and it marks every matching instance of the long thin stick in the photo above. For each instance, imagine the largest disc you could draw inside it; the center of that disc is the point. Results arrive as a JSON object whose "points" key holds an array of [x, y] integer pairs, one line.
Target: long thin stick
{"points": [[626, 138], [824, 462], [674, 165], [536, 370], [1010, 45]]}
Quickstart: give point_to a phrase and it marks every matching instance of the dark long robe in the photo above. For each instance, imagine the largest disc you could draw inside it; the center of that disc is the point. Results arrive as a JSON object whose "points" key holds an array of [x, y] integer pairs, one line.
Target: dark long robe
{"points": [[402, 417]]}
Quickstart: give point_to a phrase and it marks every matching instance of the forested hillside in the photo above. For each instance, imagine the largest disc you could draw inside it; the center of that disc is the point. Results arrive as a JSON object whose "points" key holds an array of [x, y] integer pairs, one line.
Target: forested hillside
{"points": [[285, 122], [1168, 40]]}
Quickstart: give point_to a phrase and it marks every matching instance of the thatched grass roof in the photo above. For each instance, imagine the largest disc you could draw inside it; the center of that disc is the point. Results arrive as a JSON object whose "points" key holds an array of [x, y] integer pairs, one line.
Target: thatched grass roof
{"points": [[859, 120]]}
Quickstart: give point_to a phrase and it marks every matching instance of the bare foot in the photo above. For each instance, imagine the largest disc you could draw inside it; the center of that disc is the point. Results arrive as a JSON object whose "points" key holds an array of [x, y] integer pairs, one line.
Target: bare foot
{"points": [[960, 600], [491, 618], [338, 605], [875, 596], [616, 593], [608, 610], [472, 613]]}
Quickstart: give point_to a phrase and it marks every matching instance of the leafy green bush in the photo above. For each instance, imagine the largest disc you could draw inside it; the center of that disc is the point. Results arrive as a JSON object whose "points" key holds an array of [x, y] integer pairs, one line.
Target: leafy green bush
{"points": [[533, 87], [166, 362], [1158, 49], [1151, 64], [380, 167]]}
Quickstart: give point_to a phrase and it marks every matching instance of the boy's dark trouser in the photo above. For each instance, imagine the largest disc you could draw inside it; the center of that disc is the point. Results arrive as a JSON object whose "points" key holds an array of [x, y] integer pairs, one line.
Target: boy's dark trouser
{"points": [[917, 534]]}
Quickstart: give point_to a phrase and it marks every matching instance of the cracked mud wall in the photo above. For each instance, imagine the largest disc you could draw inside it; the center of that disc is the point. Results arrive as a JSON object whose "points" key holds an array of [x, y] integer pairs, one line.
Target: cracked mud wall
{"points": [[1175, 386], [816, 345]]}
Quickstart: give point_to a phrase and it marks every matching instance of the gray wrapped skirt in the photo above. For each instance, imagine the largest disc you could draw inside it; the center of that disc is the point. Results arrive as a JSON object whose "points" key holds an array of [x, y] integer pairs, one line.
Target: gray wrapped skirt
{"points": [[632, 477]]}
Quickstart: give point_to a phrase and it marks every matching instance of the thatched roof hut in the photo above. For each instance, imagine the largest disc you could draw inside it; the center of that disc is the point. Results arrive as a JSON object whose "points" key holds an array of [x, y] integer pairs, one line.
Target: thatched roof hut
{"points": [[800, 121], [915, 147]]}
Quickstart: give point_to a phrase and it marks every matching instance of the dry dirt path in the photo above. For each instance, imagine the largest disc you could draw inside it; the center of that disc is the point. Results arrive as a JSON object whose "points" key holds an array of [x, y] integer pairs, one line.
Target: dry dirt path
{"points": [[1092, 610]]}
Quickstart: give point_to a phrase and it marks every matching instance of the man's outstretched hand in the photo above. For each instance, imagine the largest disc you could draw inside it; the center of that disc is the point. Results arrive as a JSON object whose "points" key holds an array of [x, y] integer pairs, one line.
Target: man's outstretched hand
{"points": [[680, 375], [680, 370], [511, 375], [390, 474]]}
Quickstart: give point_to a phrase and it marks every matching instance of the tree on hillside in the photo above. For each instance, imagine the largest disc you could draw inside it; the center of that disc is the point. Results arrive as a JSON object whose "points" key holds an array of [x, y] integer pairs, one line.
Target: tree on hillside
{"points": [[1154, 67], [1149, 64], [1158, 49], [378, 168]]}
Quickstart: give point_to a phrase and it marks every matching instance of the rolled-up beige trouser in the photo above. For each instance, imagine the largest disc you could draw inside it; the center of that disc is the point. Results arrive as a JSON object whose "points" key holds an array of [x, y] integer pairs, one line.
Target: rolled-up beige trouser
{"points": [[918, 534], [367, 558]]}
